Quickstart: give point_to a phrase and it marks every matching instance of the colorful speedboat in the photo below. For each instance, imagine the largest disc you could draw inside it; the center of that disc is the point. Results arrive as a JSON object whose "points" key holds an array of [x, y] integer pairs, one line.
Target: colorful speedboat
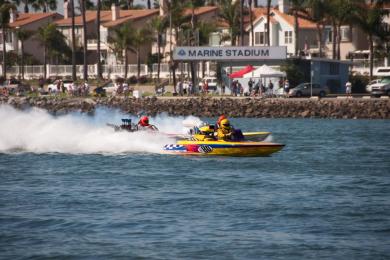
{"points": [[223, 148]]}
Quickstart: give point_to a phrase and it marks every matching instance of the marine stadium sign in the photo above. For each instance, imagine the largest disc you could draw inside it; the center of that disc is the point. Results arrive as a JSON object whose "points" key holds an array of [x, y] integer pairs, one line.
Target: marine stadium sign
{"points": [[229, 53]]}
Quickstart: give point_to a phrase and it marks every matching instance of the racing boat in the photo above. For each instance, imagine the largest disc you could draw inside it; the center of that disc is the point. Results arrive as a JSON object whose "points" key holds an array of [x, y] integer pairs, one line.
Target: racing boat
{"points": [[130, 127], [223, 148], [206, 131]]}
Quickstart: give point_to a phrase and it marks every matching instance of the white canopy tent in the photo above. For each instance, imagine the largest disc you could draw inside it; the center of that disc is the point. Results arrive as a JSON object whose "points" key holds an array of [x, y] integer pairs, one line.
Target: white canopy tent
{"points": [[265, 72]]}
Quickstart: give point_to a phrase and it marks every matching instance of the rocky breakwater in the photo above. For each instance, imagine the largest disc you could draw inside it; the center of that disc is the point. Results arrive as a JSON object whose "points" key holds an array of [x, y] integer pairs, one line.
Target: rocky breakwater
{"points": [[211, 107]]}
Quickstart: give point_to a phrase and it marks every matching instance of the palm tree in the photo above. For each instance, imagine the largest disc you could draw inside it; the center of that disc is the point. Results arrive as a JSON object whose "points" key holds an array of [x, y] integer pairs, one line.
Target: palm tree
{"points": [[74, 77], [121, 42], [296, 7], [22, 35], [369, 17], [45, 36], [175, 9], [85, 46], [44, 5], [251, 21], [99, 63], [316, 13], [5, 7], [140, 38], [229, 12], [268, 21], [204, 30], [241, 22], [342, 11], [159, 25]]}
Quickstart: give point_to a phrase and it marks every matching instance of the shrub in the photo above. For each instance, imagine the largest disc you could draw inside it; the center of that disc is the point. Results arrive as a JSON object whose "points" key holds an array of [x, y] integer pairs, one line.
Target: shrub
{"points": [[132, 80], [359, 83], [142, 79]]}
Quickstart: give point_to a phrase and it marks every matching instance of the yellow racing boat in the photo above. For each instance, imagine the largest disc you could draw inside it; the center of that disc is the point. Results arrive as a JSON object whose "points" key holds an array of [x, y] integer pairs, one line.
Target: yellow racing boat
{"points": [[223, 148]]}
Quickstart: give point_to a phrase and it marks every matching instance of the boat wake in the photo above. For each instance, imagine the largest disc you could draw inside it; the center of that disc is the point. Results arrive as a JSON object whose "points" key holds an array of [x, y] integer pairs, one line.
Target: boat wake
{"points": [[37, 131]]}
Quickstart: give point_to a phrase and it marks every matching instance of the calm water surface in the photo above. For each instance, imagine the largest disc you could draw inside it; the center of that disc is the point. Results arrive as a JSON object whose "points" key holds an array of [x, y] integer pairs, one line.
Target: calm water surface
{"points": [[325, 195]]}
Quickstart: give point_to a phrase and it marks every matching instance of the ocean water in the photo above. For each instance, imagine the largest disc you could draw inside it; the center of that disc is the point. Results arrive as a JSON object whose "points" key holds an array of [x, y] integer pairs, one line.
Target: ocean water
{"points": [[71, 188]]}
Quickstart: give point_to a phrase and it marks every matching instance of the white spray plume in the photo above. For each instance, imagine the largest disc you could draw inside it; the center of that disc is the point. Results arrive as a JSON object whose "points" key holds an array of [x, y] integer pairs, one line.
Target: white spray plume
{"points": [[37, 131]]}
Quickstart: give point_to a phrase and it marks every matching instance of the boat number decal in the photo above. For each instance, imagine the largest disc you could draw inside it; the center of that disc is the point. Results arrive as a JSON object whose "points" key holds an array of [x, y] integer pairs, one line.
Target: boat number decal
{"points": [[205, 149]]}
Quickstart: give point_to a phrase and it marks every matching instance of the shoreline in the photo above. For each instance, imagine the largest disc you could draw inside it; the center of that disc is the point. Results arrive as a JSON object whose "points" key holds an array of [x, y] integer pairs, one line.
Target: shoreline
{"points": [[353, 108]]}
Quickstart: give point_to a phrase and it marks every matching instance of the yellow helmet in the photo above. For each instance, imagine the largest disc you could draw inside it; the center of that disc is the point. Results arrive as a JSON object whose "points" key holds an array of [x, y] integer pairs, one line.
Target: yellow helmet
{"points": [[225, 124]]}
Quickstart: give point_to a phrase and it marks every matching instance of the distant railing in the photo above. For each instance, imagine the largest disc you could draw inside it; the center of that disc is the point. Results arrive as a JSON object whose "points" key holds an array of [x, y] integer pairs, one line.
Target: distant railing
{"points": [[109, 71]]}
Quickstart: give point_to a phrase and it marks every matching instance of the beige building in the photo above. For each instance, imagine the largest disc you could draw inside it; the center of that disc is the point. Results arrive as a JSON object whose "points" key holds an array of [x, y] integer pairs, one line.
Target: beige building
{"points": [[109, 20], [29, 22]]}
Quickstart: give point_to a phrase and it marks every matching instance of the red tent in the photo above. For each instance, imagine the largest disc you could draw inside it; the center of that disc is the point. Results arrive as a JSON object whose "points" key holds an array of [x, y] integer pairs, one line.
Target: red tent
{"points": [[240, 73]]}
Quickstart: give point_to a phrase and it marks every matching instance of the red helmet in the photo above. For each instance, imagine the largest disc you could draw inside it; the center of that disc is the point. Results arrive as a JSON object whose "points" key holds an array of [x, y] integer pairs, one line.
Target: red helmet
{"points": [[222, 117], [144, 121]]}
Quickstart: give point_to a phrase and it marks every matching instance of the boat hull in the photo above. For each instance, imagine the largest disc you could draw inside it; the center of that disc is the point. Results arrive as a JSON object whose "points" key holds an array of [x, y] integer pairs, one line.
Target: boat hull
{"points": [[223, 148]]}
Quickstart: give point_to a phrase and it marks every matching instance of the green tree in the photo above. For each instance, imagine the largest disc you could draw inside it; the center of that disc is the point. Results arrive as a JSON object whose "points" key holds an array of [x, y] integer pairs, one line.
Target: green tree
{"points": [[99, 63], [229, 12], [343, 12], [251, 22], [370, 18], [73, 36], [22, 35], [317, 14], [297, 6], [54, 44], [85, 43], [121, 42], [159, 25], [44, 5], [268, 21], [141, 36], [5, 8]]}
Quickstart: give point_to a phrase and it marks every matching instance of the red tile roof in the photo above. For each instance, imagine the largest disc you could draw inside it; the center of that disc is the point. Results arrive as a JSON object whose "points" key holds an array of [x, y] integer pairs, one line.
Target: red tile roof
{"points": [[27, 18], [200, 10], [106, 17], [303, 23]]}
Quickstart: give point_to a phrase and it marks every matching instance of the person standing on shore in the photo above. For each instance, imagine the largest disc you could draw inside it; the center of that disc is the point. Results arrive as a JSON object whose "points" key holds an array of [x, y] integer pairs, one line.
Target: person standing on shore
{"points": [[271, 88], [286, 87], [348, 89], [250, 86]]}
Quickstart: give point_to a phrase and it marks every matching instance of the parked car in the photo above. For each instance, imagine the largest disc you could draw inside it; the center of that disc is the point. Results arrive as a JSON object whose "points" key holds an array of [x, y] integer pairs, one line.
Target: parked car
{"points": [[369, 86], [212, 82], [67, 83], [381, 88], [304, 89]]}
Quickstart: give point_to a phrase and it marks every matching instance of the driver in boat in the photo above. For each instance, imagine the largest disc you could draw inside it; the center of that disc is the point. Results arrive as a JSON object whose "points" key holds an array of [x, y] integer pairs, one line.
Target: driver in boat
{"points": [[225, 131], [143, 124], [218, 125]]}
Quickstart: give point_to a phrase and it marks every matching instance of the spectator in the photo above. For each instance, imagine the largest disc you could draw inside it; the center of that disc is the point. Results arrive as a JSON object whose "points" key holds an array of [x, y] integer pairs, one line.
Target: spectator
{"points": [[286, 87], [262, 89], [348, 89], [41, 82], [271, 88], [256, 90], [191, 87], [180, 84], [206, 87], [58, 85], [185, 87], [250, 86], [63, 89]]}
